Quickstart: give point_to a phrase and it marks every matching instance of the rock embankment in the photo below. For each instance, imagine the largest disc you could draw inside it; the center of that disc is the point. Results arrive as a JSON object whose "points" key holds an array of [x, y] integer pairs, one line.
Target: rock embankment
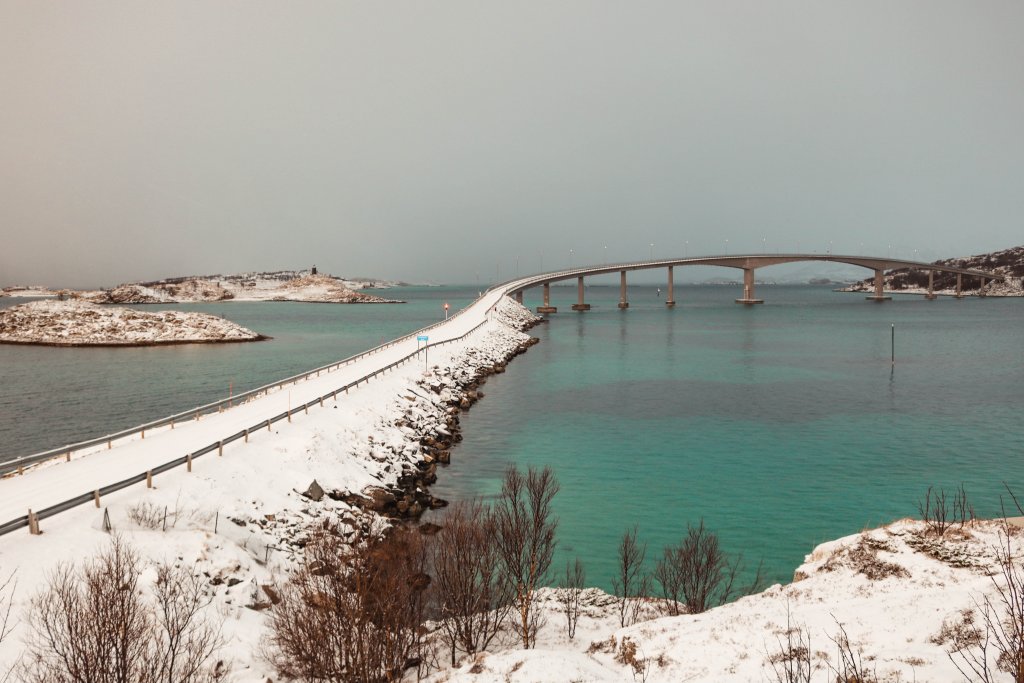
{"points": [[77, 323]]}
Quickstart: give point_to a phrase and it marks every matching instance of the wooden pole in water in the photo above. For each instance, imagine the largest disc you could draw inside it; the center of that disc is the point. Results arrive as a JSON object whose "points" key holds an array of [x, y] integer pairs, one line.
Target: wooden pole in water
{"points": [[893, 344]]}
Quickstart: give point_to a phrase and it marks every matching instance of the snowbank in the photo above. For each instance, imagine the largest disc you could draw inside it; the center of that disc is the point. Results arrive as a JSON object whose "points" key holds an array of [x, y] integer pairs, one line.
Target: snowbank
{"points": [[77, 323]]}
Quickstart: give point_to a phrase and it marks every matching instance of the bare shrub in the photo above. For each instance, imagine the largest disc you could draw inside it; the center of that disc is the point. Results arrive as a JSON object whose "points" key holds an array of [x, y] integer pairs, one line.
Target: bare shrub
{"points": [[983, 651], [351, 613], [940, 514], [145, 515], [525, 530], [849, 666], [791, 663], [631, 585], [93, 625], [627, 654], [570, 593], [471, 591], [699, 574], [7, 587]]}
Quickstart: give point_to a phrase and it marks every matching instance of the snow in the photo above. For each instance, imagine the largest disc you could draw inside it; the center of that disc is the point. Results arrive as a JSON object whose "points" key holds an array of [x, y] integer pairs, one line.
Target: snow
{"points": [[77, 323], [241, 516], [281, 286], [239, 519]]}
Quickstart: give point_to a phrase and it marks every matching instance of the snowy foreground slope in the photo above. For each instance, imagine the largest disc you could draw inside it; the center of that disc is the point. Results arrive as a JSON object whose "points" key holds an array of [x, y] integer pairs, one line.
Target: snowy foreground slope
{"points": [[77, 323], [240, 521], [899, 593]]}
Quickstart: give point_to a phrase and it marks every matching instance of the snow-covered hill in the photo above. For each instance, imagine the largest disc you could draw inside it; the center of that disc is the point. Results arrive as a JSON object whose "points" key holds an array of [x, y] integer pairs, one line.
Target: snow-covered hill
{"points": [[77, 323], [302, 286], [1008, 262]]}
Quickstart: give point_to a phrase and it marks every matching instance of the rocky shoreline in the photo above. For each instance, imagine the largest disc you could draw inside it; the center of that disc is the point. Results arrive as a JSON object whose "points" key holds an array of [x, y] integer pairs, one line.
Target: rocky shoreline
{"points": [[452, 395]]}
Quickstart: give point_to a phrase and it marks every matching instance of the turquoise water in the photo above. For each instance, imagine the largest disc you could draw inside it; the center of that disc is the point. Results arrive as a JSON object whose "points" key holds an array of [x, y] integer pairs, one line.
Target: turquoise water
{"points": [[782, 425], [53, 396]]}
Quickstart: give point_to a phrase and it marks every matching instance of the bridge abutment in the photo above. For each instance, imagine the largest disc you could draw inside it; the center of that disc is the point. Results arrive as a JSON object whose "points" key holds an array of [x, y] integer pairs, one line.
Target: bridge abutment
{"points": [[748, 288], [879, 282], [623, 301], [931, 285], [579, 305], [547, 307]]}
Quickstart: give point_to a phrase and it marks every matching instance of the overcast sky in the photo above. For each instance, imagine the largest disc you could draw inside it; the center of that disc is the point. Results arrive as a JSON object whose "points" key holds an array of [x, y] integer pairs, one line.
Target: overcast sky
{"points": [[435, 141]]}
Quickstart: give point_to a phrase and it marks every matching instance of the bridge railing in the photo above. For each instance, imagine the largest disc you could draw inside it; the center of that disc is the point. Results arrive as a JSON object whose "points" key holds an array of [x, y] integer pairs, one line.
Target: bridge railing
{"points": [[19, 464], [91, 496]]}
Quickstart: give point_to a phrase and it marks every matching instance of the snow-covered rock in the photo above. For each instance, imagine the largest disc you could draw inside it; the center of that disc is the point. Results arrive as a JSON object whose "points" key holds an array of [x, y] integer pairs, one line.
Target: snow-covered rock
{"points": [[78, 323]]}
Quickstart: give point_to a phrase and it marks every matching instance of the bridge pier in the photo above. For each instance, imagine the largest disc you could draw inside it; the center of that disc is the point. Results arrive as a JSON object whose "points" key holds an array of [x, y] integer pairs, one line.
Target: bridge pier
{"points": [[959, 285], [547, 307], [579, 305], [671, 300], [623, 301], [748, 288], [931, 285], [519, 296], [981, 292], [879, 281]]}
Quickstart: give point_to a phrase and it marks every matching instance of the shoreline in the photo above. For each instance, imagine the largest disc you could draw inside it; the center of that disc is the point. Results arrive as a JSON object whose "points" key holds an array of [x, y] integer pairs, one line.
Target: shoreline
{"points": [[170, 342]]}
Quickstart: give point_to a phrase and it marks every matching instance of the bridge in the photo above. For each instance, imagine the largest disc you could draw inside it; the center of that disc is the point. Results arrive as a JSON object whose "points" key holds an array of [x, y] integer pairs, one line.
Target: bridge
{"points": [[91, 470], [748, 263]]}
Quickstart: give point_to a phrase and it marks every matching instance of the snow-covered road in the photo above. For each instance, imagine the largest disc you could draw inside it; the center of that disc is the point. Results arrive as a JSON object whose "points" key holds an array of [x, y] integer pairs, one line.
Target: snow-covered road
{"points": [[93, 469]]}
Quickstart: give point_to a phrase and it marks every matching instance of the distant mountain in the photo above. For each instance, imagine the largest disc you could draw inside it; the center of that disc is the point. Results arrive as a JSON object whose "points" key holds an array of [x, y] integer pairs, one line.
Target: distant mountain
{"points": [[1008, 262]]}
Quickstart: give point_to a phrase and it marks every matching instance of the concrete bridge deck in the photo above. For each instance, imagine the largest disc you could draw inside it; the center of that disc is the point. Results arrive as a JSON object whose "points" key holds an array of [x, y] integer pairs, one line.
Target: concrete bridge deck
{"points": [[748, 263]]}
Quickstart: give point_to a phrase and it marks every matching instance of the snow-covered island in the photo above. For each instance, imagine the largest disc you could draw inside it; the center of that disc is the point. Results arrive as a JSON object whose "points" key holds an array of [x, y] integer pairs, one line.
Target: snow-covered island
{"points": [[1008, 262], [79, 323], [300, 286]]}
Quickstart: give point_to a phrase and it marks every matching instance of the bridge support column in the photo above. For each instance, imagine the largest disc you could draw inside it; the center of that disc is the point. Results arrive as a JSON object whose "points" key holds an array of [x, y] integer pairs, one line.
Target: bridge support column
{"points": [[748, 288], [981, 292], [519, 296], [579, 305], [671, 300], [931, 285], [959, 285], [879, 281], [547, 307], [623, 301]]}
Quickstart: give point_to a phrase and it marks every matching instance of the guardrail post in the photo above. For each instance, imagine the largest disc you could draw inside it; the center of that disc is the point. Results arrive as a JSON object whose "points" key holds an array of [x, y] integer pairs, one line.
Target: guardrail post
{"points": [[109, 445], [149, 479], [268, 425], [172, 423], [67, 457], [197, 416], [247, 436], [21, 470], [321, 401], [96, 497], [33, 523], [143, 432], [220, 447], [289, 414], [305, 408], [188, 462]]}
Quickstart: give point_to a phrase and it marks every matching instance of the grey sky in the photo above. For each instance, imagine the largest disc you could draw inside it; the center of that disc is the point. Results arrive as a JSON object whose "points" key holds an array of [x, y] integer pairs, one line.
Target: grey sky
{"points": [[438, 140]]}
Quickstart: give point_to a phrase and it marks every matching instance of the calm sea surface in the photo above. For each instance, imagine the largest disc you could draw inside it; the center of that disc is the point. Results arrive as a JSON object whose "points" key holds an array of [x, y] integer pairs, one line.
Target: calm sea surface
{"points": [[782, 425]]}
